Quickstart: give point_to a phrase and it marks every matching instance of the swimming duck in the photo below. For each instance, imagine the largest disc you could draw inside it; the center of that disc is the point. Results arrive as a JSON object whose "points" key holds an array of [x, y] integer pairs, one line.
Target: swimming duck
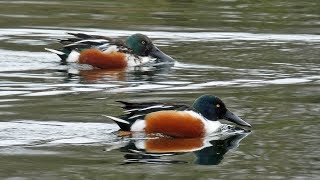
{"points": [[181, 121], [108, 53]]}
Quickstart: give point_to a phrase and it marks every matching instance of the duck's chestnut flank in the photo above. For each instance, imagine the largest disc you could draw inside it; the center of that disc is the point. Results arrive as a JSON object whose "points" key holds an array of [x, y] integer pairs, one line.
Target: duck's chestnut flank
{"points": [[96, 58], [174, 123]]}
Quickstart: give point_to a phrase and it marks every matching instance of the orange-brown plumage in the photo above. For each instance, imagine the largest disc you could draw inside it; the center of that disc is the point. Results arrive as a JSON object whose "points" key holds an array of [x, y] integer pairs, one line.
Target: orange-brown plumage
{"points": [[174, 123], [97, 58], [162, 145]]}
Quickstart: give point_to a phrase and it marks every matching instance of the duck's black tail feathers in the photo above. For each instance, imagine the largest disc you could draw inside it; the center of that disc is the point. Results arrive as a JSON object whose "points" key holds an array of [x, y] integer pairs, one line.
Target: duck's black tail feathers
{"points": [[123, 124], [62, 53]]}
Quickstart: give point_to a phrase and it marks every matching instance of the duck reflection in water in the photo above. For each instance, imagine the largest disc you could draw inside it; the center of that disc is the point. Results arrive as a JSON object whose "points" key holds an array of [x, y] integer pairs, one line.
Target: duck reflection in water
{"points": [[208, 151], [94, 75]]}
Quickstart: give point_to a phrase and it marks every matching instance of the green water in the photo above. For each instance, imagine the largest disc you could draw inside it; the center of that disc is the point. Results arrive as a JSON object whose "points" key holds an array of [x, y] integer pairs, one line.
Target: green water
{"points": [[260, 57]]}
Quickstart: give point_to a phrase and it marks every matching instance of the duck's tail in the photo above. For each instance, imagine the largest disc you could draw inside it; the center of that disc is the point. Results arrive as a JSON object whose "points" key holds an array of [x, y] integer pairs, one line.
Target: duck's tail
{"points": [[65, 54], [123, 124]]}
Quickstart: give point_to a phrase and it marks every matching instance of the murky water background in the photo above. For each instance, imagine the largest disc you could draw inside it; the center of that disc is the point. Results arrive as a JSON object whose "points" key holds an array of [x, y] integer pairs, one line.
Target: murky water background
{"points": [[261, 58]]}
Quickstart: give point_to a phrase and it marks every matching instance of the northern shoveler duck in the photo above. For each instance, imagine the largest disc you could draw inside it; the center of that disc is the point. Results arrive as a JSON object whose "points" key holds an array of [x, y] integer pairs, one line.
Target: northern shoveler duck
{"points": [[180, 121], [108, 53]]}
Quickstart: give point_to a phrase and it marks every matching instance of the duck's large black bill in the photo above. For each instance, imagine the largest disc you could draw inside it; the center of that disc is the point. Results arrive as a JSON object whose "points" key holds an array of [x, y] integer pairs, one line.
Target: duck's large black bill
{"points": [[234, 118], [162, 57]]}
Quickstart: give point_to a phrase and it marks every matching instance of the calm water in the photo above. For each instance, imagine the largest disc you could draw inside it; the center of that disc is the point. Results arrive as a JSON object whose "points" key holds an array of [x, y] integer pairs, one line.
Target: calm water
{"points": [[260, 57]]}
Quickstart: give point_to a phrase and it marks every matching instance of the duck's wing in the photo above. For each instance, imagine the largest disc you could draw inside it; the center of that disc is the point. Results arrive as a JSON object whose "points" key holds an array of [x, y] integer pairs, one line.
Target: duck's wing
{"points": [[81, 41], [137, 111], [132, 109], [84, 41]]}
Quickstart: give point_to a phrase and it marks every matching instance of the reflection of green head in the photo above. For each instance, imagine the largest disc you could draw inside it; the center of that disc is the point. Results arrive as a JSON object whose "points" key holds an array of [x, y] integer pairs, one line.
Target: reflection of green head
{"points": [[140, 44]]}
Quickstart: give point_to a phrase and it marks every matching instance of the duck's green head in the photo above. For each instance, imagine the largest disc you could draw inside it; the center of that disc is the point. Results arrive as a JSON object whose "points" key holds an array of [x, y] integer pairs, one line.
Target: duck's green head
{"points": [[141, 45], [212, 108]]}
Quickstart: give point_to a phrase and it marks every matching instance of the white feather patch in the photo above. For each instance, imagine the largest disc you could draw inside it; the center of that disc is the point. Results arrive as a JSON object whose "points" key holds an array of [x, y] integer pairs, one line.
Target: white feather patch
{"points": [[87, 41], [139, 125], [111, 49], [93, 40], [73, 56], [130, 110], [54, 51], [140, 144], [134, 61], [135, 116], [155, 106], [210, 126], [151, 107], [117, 119]]}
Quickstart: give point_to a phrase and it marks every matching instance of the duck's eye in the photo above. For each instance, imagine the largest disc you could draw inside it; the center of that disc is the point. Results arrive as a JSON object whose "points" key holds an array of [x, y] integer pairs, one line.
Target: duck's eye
{"points": [[143, 42], [218, 105]]}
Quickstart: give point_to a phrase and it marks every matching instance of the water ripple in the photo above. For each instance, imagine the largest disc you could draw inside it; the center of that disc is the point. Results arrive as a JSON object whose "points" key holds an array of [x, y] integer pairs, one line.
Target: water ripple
{"points": [[51, 78], [25, 133], [174, 36]]}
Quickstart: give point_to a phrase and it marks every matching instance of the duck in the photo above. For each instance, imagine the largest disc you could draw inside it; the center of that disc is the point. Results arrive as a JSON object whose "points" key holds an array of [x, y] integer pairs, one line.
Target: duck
{"points": [[108, 53], [177, 120]]}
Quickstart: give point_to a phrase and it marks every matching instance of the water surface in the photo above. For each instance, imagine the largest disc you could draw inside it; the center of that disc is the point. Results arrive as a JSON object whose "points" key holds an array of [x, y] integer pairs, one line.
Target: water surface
{"points": [[261, 58]]}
